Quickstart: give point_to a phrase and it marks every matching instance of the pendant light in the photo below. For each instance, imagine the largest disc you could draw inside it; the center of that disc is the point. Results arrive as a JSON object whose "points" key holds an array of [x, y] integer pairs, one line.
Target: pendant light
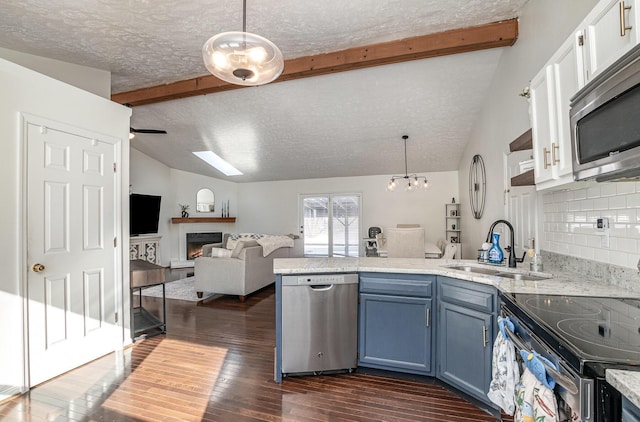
{"points": [[411, 182], [243, 58]]}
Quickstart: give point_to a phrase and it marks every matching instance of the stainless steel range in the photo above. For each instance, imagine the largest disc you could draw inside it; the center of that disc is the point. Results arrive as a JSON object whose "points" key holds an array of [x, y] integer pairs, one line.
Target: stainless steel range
{"points": [[583, 336]]}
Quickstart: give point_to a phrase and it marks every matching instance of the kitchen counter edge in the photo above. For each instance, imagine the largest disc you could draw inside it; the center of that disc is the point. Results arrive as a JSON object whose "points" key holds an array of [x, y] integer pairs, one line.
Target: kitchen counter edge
{"points": [[626, 382], [558, 284]]}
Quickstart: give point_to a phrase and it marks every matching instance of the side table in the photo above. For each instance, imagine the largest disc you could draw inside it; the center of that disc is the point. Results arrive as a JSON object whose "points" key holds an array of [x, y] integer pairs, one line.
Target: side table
{"points": [[145, 274]]}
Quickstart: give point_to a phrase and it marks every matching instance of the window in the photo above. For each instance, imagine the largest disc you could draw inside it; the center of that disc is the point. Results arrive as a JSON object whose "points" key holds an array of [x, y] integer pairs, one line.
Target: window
{"points": [[331, 224]]}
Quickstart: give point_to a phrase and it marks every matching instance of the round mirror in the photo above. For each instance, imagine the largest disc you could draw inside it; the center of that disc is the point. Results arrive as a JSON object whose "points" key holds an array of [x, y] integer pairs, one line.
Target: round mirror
{"points": [[205, 200]]}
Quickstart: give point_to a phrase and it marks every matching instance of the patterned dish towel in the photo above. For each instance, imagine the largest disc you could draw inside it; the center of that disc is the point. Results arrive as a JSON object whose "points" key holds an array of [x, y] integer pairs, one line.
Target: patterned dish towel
{"points": [[535, 402], [506, 375]]}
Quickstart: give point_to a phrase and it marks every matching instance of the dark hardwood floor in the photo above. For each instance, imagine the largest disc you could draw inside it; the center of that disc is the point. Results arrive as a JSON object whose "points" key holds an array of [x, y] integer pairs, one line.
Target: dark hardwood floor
{"points": [[216, 364]]}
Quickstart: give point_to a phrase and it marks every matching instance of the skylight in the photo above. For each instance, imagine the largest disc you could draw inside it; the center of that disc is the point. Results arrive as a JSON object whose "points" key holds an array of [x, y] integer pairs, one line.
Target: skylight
{"points": [[218, 163]]}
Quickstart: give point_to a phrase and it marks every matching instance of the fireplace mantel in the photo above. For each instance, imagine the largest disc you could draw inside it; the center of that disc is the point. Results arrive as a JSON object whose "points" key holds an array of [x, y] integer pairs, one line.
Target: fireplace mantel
{"points": [[180, 220]]}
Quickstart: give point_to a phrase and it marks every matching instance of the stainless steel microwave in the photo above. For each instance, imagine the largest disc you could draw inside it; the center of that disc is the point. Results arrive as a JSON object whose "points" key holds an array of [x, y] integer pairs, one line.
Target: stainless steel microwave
{"points": [[605, 123]]}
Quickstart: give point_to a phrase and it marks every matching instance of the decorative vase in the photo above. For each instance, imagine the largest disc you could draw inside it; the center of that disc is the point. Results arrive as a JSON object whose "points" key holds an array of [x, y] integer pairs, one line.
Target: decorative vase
{"points": [[496, 255], [185, 214]]}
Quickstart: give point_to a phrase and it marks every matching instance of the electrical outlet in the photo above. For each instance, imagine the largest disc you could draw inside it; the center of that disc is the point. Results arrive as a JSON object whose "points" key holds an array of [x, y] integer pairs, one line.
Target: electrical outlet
{"points": [[602, 224], [602, 229]]}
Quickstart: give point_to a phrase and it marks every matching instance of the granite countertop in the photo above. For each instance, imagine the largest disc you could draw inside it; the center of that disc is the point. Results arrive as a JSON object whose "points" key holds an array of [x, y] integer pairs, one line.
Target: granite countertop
{"points": [[559, 282], [626, 382]]}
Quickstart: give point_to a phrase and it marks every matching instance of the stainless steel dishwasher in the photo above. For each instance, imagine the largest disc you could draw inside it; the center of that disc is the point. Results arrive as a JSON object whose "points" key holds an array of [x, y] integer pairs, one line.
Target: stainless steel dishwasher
{"points": [[319, 323]]}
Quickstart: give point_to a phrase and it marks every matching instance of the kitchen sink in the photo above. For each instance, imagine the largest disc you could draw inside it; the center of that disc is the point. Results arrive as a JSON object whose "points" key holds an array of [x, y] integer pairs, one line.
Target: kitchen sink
{"points": [[491, 271], [470, 269], [524, 277]]}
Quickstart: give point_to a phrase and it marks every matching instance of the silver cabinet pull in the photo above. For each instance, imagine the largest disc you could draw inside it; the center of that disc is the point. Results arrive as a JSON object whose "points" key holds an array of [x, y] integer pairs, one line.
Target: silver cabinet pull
{"points": [[484, 336], [428, 316], [623, 24]]}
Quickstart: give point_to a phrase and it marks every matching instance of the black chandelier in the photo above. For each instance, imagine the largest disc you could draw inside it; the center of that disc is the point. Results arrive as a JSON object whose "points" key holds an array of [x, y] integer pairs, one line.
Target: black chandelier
{"points": [[411, 181]]}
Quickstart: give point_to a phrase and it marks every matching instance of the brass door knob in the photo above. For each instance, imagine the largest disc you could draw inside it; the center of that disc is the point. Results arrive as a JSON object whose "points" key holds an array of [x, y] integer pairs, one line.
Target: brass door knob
{"points": [[37, 268]]}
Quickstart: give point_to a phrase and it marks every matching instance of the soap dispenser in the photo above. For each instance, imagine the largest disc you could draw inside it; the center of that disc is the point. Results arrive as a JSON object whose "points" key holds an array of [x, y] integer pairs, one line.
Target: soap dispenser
{"points": [[536, 260], [496, 255]]}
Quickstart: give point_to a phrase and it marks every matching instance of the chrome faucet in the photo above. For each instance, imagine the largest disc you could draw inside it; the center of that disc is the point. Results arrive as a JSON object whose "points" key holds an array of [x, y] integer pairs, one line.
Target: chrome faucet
{"points": [[512, 253]]}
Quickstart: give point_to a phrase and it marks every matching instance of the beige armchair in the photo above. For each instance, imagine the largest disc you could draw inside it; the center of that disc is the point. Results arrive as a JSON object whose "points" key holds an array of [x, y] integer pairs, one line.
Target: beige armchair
{"points": [[403, 243], [245, 271]]}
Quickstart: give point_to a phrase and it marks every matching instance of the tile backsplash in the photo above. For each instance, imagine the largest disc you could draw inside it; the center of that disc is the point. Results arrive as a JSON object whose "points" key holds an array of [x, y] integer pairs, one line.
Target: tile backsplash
{"points": [[570, 215]]}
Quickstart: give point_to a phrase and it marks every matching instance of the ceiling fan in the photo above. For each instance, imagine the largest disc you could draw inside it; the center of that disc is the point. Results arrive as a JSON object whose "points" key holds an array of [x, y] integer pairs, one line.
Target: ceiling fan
{"points": [[133, 131]]}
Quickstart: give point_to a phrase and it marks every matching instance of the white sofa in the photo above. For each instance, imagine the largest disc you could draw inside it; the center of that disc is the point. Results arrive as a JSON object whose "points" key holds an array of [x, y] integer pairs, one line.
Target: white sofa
{"points": [[241, 274]]}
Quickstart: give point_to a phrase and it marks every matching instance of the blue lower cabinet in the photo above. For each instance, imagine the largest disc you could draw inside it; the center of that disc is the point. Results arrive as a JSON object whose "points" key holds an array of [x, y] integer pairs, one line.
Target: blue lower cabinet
{"points": [[464, 355], [465, 335], [395, 333], [630, 412], [404, 326]]}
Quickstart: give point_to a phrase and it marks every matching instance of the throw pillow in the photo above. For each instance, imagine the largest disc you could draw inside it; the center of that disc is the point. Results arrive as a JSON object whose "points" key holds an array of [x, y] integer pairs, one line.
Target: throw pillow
{"points": [[220, 253], [240, 245]]}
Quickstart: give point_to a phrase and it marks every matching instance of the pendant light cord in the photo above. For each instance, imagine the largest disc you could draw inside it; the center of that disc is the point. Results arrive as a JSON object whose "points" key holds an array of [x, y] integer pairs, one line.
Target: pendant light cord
{"points": [[406, 168], [244, 15]]}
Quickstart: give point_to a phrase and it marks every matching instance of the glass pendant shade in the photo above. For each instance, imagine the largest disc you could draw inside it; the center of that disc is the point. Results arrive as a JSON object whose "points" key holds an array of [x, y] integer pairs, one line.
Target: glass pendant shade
{"points": [[243, 58]]}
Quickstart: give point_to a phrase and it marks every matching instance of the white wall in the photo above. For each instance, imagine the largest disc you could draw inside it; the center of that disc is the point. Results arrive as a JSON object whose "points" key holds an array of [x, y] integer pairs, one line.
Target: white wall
{"points": [[184, 186], [273, 207], [149, 176], [26, 91], [93, 80], [543, 26]]}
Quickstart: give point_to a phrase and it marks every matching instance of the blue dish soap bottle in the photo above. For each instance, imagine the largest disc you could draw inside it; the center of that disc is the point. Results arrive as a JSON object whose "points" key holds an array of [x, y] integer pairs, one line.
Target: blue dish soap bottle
{"points": [[496, 256]]}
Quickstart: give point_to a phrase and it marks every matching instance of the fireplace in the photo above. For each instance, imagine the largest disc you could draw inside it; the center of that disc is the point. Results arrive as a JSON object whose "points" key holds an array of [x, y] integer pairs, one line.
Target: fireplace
{"points": [[195, 241]]}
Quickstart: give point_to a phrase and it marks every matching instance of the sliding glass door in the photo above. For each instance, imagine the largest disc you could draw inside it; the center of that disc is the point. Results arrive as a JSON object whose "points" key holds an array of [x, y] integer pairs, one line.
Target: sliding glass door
{"points": [[331, 224]]}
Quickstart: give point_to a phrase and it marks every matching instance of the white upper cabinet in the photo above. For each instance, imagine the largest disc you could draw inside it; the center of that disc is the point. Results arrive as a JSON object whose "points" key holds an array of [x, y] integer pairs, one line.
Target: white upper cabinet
{"points": [[607, 32], [542, 123], [610, 31], [568, 78], [551, 90]]}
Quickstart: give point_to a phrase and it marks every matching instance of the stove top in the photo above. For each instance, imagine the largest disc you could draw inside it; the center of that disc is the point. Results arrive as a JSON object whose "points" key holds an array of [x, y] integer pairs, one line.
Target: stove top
{"points": [[584, 329]]}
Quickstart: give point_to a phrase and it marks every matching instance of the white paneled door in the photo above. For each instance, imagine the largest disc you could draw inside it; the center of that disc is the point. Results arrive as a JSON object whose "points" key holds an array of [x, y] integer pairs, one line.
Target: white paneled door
{"points": [[71, 253]]}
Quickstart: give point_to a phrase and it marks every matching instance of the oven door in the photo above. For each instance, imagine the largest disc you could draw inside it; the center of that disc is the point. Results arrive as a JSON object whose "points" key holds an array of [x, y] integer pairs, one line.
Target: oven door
{"points": [[574, 394]]}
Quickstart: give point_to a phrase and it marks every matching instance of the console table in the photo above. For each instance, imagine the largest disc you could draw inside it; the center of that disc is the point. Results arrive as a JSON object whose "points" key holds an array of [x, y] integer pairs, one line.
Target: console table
{"points": [[145, 247], [145, 274]]}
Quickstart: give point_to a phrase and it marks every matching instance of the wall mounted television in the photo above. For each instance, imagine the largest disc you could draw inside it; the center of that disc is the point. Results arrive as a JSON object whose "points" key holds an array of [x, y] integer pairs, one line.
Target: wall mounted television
{"points": [[144, 214]]}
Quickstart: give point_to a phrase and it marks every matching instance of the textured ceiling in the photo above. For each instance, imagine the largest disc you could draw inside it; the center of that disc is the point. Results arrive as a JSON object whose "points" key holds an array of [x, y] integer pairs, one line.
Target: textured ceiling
{"points": [[334, 125]]}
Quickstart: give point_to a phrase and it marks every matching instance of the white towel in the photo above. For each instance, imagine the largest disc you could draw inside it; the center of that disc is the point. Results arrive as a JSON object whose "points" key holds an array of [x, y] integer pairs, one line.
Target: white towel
{"points": [[506, 375], [535, 402]]}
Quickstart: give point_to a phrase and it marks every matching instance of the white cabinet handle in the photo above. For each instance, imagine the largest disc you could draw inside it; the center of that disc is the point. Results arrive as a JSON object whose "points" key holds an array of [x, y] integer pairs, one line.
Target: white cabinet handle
{"points": [[623, 24]]}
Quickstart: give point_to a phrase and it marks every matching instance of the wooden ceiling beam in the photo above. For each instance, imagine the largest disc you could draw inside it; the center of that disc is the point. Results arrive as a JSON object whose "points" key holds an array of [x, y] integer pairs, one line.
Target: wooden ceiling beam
{"points": [[499, 34]]}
